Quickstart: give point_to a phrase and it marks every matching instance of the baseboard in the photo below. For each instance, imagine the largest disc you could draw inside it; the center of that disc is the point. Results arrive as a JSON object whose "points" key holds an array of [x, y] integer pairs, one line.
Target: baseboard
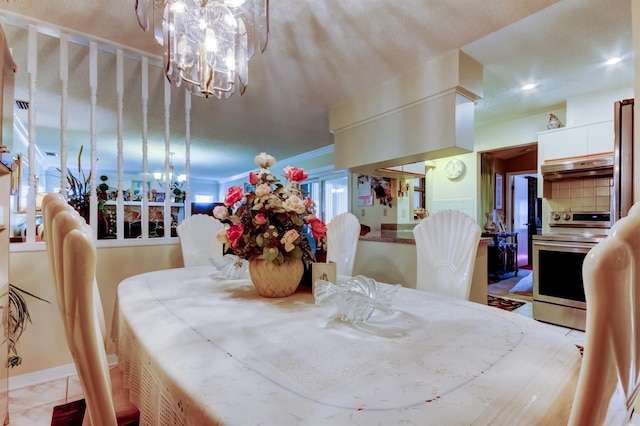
{"points": [[47, 375]]}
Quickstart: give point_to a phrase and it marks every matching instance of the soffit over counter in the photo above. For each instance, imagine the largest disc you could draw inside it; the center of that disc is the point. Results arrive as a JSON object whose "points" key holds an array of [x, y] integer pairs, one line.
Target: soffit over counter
{"points": [[427, 113]]}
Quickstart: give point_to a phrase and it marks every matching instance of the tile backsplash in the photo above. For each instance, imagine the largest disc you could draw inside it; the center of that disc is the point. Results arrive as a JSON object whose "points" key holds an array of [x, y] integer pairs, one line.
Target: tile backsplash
{"points": [[583, 194]]}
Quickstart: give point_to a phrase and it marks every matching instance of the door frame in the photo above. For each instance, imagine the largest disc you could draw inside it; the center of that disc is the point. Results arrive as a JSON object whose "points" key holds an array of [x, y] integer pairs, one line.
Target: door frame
{"points": [[508, 212]]}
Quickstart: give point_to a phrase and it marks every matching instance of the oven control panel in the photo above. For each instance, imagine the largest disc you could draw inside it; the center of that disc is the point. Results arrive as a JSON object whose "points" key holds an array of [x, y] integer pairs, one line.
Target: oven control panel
{"points": [[581, 219]]}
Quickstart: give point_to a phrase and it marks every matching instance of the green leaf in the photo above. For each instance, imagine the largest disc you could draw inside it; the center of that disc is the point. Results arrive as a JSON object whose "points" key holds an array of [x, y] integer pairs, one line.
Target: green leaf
{"points": [[271, 254], [80, 158], [295, 254]]}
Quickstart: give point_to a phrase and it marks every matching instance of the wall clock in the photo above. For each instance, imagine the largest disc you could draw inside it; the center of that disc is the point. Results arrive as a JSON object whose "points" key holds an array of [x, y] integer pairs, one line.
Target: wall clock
{"points": [[454, 169]]}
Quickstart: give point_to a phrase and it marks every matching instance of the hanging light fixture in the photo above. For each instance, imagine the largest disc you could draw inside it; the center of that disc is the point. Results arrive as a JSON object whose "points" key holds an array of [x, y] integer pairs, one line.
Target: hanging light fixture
{"points": [[175, 181], [208, 43]]}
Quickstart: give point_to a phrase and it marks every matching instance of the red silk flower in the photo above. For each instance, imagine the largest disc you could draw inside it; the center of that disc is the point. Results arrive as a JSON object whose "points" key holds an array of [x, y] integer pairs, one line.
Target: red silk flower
{"points": [[234, 233], [234, 194], [295, 174], [318, 228], [253, 178]]}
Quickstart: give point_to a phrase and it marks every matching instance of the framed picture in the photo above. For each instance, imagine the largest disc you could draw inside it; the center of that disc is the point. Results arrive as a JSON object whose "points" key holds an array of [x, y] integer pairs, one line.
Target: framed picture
{"points": [[365, 197], [498, 191], [159, 197], [136, 187]]}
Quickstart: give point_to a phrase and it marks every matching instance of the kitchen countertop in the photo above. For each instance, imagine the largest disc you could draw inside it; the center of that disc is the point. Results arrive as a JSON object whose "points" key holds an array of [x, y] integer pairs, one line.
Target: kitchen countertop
{"points": [[390, 236], [400, 237]]}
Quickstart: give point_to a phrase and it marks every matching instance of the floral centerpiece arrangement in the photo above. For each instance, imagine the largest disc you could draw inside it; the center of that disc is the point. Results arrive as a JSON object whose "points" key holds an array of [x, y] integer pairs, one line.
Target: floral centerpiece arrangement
{"points": [[273, 221]]}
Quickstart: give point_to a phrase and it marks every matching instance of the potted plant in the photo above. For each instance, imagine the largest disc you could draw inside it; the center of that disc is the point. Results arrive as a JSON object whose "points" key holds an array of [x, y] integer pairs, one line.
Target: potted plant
{"points": [[273, 226], [178, 193], [18, 318]]}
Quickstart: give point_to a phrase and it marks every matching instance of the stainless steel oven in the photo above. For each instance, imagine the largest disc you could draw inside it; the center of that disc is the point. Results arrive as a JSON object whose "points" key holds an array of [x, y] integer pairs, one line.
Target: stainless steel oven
{"points": [[558, 291]]}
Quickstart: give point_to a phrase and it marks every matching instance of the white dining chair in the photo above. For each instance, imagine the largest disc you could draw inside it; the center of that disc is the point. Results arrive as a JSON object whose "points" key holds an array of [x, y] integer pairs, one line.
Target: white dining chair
{"points": [[343, 232], [609, 379], [446, 247], [72, 254], [634, 210], [198, 240]]}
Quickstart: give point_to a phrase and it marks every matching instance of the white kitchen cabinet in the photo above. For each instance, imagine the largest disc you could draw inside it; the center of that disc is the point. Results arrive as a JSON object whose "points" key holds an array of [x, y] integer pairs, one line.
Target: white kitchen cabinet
{"points": [[571, 142], [600, 137], [564, 143]]}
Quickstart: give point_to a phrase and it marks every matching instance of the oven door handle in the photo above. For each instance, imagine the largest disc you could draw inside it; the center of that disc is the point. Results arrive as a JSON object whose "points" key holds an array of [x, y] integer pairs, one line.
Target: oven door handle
{"points": [[564, 244]]}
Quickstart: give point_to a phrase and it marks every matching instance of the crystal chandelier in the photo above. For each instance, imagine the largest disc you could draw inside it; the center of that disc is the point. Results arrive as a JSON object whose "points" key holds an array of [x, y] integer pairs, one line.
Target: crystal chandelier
{"points": [[208, 43], [175, 181]]}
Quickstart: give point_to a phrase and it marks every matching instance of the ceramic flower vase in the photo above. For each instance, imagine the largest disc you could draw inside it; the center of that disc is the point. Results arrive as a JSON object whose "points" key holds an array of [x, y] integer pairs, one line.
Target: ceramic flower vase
{"points": [[273, 280]]}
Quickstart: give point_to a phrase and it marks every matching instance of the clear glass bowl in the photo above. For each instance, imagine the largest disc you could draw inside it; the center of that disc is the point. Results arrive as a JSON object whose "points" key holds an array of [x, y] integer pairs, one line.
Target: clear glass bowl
{"points": [[358, 299], [231, 266]]}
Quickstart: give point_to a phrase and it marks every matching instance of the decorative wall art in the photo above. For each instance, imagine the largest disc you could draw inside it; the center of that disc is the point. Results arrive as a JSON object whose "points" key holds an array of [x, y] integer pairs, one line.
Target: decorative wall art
{"points": [[364, 191], [382, 190]]}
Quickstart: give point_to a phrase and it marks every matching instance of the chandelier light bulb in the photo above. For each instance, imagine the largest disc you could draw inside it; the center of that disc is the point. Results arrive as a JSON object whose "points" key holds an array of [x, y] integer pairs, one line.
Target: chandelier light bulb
{"points": [[178, 7], [208, 42], [211, 43], [234, 3]]}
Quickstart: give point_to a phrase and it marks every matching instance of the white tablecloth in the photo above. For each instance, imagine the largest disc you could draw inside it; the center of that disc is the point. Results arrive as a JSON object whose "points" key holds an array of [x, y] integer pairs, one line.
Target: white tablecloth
{"points": [[198, 349]]}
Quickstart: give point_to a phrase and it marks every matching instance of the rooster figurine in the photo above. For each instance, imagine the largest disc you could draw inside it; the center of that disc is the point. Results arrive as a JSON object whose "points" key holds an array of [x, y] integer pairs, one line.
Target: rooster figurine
{"points": [[554, 122]]}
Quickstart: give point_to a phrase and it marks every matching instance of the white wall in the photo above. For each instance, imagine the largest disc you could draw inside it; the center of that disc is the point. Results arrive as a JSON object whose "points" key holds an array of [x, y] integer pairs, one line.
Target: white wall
{"points": [[594, 108], [43, 345], [460, 194], [515, 132]]}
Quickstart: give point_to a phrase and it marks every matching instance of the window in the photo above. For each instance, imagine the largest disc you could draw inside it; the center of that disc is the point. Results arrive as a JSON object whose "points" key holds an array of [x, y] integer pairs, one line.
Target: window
{"points": [[331, 194]]}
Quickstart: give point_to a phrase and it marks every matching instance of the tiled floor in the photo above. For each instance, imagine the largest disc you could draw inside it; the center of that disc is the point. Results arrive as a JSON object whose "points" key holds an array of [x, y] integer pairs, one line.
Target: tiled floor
{"points": [[33, 406]]}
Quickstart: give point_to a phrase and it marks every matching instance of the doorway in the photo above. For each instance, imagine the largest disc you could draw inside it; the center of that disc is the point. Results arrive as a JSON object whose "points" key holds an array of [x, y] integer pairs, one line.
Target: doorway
{"points": [[518, 165], [523, 213]]}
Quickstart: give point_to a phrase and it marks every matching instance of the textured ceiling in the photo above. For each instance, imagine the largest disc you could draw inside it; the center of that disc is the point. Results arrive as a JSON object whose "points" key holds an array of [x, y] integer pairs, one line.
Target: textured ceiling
{"points": [[321, 53]]}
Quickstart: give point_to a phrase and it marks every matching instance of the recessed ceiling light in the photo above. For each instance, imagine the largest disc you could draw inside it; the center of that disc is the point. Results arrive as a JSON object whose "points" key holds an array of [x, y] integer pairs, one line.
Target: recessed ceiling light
{"points": [[528, 86], [612, 61]]}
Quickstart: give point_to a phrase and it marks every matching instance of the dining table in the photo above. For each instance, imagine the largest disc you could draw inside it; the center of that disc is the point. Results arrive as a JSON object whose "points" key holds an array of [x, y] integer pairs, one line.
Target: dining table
{"points": [[198, 348]]}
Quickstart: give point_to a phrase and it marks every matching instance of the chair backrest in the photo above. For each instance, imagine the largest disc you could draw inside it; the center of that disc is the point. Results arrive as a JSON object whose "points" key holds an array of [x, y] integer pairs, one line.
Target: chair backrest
{"points": [[446, 247], [609, 378], [52, 204], [343, 233], [198, 240], [72, 257]]}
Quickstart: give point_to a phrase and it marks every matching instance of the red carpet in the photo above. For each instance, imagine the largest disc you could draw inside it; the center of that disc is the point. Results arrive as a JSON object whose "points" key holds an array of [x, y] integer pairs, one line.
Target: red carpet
{"points": [[70, 414], [506, 304]]}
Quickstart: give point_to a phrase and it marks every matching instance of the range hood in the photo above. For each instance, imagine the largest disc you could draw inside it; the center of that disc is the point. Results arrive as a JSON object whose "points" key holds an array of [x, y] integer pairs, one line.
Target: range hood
{"points": [[578, 169]]}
